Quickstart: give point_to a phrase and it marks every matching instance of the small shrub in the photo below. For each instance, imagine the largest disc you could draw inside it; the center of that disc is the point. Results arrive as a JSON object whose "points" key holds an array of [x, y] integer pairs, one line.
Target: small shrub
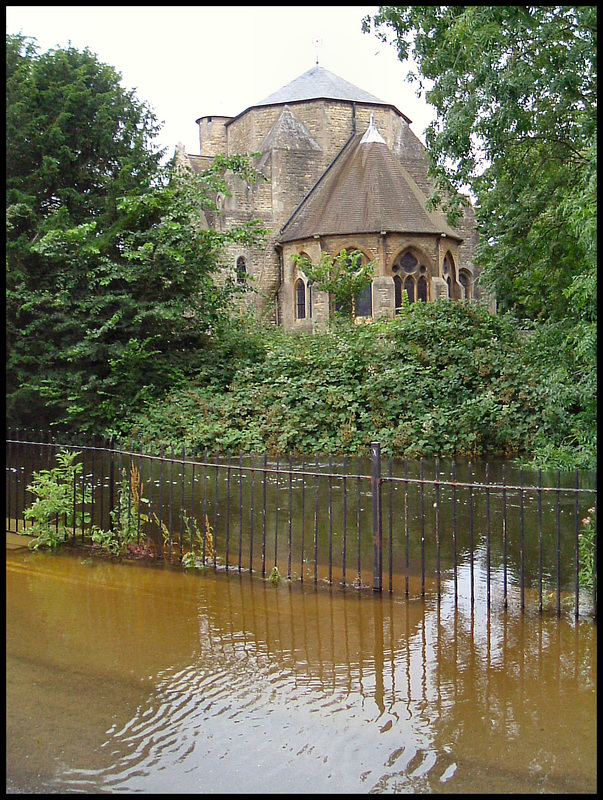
{"points": [[52, 513]]}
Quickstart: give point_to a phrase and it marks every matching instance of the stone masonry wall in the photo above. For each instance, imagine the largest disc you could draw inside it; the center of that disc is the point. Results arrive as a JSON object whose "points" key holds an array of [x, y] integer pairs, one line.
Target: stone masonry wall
{"points": [[291, 175]]}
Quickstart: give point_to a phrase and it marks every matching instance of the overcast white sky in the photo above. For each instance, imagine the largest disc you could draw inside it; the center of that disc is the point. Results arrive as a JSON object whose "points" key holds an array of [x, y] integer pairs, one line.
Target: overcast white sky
{"points": [[189, 61]]}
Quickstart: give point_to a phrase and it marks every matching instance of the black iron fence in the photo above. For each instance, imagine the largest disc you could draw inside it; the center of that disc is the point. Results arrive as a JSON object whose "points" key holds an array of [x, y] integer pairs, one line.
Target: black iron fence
{"points": [[482, 533]]}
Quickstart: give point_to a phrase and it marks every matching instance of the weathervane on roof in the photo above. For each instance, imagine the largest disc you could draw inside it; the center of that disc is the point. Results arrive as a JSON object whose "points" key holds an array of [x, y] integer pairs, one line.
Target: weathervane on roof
{"points": [[317, 44]]}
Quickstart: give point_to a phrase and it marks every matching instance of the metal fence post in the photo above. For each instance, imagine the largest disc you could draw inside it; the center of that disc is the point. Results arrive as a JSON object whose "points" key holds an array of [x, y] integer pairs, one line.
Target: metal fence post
{"points": [[111, 479], [377, 521]]}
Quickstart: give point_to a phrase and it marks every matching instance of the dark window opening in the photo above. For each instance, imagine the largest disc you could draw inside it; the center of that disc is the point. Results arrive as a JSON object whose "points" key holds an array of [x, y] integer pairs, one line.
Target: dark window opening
{"points": [[465, 281], [241, 270], [364, 303], [300, 298], [422, 289], [409, 285], [397, 291]]}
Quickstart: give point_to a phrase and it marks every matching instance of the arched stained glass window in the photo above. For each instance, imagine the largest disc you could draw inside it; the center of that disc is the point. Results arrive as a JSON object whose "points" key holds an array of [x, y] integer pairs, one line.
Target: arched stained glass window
{"points": [[364, 303], [300, 299], [397, 291], [412, 273]]}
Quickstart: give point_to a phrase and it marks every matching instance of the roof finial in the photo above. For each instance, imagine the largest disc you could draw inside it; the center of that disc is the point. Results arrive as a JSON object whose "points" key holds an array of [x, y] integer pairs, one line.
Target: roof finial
{"points": [[372, 134], [316, 43]]}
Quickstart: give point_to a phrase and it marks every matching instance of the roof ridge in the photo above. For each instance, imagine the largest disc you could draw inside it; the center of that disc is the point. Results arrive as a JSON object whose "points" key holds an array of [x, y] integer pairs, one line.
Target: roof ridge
{"points": [[319, 181]]}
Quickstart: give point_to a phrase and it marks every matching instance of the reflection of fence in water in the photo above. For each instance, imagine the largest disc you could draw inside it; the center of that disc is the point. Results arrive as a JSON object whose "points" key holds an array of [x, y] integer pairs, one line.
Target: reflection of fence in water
{"points": [[402, 526]]}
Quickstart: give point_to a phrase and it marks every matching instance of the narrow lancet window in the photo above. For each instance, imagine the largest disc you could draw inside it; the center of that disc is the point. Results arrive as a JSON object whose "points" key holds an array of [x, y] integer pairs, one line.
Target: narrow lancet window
{"points": [[241, 270], [409, 285], [300, 299]]}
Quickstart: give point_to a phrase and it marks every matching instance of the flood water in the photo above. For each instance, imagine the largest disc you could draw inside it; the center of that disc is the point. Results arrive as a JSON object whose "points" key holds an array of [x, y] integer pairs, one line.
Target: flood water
{"points": [[517, 531], [129, 678]]}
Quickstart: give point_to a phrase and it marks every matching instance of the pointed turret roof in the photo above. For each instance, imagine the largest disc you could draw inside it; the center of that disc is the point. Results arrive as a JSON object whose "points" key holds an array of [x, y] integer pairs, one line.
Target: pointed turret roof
{"points": [[319, 82], [366, 190]]}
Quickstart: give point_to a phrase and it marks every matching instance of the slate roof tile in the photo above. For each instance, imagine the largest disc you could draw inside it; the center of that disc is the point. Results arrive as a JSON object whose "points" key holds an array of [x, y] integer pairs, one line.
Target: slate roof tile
{"points": [[366, 190]]}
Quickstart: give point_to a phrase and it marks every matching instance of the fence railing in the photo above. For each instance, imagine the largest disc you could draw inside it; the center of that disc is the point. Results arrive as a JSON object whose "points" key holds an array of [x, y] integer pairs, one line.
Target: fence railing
{"points": [[468, 532]]}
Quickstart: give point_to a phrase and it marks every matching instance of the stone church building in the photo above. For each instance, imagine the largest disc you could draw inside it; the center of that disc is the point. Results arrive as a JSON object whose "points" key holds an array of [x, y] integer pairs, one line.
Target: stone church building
{"points": [[344, 171]]}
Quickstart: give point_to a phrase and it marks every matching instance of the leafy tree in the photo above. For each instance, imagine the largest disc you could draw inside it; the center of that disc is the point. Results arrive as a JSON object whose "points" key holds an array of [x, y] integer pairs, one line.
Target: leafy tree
{"points": [[515, 92], [76, 142], [111, 293], [344, 277], [76, 139]]}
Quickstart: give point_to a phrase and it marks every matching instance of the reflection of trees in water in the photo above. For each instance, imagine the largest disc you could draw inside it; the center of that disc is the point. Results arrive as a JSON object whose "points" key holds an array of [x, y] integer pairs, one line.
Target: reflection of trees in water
{"points": [[494, 691], [421, 692]]}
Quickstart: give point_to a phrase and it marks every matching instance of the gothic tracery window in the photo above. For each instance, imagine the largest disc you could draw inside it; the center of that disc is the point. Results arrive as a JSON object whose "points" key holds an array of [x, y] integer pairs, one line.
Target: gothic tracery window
{"points": [[422, 289], [397, 291], [410, 275], [449, 275], [364, 303]]}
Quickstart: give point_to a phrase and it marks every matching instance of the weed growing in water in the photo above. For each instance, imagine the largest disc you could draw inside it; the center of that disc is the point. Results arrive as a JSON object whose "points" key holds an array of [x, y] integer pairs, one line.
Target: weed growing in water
{"points": [[54, 513], [203, 544], [126, 517], [275, 576], [586, 546]]}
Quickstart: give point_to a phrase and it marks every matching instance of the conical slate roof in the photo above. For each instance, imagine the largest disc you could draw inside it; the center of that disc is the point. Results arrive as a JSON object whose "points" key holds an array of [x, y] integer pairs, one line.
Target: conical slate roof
{"points": [[366, 190], [319, 82]]}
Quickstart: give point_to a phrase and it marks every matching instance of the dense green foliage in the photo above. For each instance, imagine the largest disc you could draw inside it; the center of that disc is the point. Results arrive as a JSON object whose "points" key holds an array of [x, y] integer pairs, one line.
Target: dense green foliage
{"points": [[439, 379], [514, 88], [52, 513], [111, 297], [515, 92], [116, 322]]}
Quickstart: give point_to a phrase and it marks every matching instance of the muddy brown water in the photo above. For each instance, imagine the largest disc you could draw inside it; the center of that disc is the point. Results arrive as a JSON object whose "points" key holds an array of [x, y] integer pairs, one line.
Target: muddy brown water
{"points": [[129, 678]]}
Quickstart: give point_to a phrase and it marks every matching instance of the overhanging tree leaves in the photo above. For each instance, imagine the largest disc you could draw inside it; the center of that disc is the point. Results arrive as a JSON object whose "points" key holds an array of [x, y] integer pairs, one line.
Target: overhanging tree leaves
{"points": [[111, 293], [343, 276], [515, 92]]}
